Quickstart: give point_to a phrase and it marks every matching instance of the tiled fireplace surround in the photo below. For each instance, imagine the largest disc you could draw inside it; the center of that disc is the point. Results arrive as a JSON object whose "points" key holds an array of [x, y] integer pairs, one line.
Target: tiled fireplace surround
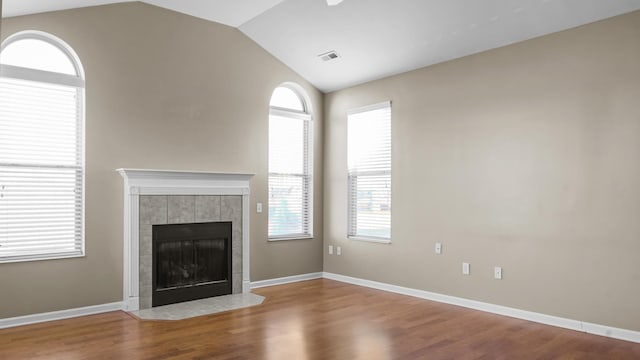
{"points": [[182, 209], [155, 197]]}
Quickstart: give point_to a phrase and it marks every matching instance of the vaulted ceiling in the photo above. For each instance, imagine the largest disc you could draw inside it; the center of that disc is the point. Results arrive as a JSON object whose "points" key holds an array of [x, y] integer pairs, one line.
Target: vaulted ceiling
{"points": [[374, 38]]}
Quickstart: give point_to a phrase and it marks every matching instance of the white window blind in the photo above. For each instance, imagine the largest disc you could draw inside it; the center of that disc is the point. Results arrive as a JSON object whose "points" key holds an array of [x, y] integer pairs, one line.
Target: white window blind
{"points": [[369, 172], [41, 155], [290, 184]]}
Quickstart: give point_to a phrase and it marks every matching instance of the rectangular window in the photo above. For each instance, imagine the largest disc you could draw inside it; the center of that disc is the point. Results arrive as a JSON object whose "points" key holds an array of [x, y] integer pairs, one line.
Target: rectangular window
{"points": [[369, 172], [41, 171], [290, 187]]}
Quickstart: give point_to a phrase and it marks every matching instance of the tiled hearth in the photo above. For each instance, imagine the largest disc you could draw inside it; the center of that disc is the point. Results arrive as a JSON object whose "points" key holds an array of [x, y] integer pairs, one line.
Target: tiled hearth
{"points": [[155, 197], [181, 209], [189, 309]]}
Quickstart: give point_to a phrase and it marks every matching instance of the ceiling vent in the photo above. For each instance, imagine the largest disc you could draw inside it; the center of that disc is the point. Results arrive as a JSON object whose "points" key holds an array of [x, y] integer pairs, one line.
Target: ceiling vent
{"points": [[329, 55]]}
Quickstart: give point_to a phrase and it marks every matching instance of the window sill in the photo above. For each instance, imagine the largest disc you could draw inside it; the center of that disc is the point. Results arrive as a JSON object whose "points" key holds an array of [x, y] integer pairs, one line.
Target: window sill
{"points": [[290, 238], [370, 239], [8, 260]]}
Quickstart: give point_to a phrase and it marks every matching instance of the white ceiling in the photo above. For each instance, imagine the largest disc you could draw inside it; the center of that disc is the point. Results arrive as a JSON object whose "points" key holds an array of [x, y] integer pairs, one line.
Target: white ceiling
{"points": [[229, 12], [374, 38]]}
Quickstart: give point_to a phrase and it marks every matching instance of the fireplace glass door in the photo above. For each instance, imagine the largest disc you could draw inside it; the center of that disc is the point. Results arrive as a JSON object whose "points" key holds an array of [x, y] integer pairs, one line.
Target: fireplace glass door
{"points": [[191, 261]]}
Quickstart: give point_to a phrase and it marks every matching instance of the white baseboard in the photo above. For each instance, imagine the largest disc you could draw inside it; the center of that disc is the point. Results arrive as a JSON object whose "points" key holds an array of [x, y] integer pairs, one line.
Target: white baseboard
{"points": [[59, 315], [97, 309], [131, 304], [286, 280], [608, 331], [596, 329]]}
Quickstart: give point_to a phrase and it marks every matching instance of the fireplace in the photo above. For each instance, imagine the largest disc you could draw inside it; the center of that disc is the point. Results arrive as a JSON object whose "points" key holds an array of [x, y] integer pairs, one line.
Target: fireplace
{"points": [[167, 197], [191, 261]]}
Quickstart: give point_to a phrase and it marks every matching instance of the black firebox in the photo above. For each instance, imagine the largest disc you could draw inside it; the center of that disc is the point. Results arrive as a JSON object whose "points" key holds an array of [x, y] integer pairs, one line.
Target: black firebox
{"points": [[191, 261]]}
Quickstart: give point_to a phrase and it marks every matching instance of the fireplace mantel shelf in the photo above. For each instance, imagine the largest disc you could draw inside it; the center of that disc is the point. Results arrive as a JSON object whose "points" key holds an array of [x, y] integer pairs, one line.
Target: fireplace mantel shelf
{"points": [[178, 182], [181, 174]]}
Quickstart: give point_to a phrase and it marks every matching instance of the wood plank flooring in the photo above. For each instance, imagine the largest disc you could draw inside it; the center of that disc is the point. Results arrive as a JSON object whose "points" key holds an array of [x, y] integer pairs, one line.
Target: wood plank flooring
{"points": [[318, 319]]}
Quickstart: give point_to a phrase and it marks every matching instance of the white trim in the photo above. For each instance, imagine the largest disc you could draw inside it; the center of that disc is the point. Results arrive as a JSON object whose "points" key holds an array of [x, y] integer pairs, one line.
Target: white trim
{"points": [[29, 74], [378, 106], [369, 239], [289, 114], [51, 77], [290, 238], [246, 278], [154, 177], [309, 144], [608, 331], [52, 256], [377, 162], [174, 182], [20, 73], [52, 40], [602, 330], [286, 280], [59, 315], [232, 190], [302, 94]]}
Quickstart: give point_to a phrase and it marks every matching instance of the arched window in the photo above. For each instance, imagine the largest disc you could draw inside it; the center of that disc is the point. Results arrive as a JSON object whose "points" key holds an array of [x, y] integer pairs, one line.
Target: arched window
{"points": [[41, 149], [290, 165]]}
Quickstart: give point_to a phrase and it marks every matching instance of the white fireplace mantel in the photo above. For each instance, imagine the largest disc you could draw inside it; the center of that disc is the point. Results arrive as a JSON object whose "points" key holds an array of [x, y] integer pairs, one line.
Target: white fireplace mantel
{"points": [[172, 182]]}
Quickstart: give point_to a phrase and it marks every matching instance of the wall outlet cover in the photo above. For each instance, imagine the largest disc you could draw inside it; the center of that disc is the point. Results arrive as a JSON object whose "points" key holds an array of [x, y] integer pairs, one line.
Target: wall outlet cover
{"points": [[497, 273]]}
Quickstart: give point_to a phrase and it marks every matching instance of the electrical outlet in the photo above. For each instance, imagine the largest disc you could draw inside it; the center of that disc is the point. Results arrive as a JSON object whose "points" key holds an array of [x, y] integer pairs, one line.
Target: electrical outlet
{"points": [[438, 248], [497, 273], [466, 268], [330, 249], [259, 207], [338, 250]]}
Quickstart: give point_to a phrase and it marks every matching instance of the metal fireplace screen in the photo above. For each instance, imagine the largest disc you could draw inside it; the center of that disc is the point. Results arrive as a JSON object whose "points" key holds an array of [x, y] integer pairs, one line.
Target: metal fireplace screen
{"points": [[191, 261]]}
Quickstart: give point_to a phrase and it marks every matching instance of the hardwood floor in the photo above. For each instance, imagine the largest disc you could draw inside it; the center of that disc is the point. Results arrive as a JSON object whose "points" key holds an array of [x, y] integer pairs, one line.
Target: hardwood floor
{"points": [[318, 319]]}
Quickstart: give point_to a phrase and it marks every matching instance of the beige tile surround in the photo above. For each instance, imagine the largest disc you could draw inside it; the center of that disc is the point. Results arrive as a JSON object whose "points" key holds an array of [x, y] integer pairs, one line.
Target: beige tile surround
{"points": [[180, 209]]}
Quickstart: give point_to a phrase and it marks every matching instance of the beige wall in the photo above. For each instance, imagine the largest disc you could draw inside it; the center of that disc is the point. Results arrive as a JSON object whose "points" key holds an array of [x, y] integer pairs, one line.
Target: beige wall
{"points": [[164, 91], [526, 157]]}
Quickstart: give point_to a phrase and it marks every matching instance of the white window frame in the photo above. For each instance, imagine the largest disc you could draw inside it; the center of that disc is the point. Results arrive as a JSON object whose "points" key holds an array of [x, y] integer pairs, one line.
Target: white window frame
{"points": [[353, 175], [74, 81], [307, 118]]}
